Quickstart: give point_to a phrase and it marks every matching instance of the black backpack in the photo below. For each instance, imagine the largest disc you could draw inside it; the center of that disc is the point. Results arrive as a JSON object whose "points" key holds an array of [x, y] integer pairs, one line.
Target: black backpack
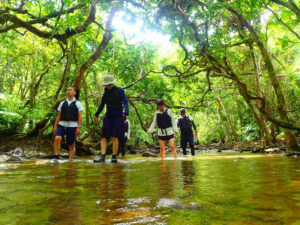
{"points": [[163, 120], [185, 123]]}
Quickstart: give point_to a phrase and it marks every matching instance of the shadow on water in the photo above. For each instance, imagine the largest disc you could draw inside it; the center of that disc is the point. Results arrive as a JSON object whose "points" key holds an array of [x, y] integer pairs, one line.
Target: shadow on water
{"points": [[210, 189]]}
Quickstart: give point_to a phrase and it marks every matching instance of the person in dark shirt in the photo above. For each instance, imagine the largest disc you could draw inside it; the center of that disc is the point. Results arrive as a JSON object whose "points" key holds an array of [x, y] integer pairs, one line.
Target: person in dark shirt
{"points": [[113, 123], [185, 123]]}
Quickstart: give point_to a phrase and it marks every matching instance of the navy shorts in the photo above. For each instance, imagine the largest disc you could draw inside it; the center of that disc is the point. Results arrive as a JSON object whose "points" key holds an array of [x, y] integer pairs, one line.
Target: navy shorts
{"points": [[69, 132], [113, 125], [166, 138]]}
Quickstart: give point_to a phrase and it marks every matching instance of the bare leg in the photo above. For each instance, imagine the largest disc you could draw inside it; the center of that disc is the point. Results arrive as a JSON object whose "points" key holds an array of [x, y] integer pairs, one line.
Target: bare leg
{"points": [[103, 145], [72, 150], [162, 145], [57, 141], [115, 145], [172, 146]]}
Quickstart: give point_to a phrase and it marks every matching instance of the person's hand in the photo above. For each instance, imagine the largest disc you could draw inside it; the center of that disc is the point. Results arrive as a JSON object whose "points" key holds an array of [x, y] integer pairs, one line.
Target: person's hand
{"points": [[196, 134], [149, 132], [175, 135], [54, 129], [77, 131], [95, 118]]}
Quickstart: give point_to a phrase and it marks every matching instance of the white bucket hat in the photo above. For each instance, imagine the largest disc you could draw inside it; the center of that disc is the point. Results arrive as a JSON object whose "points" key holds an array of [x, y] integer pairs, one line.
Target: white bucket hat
{"points": [[108, 79]]}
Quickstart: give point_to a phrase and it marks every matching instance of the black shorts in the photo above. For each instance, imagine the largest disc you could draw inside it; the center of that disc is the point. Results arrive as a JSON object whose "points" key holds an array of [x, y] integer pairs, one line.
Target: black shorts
{"points": [[166, 138], [113, 125], [69, 132]]}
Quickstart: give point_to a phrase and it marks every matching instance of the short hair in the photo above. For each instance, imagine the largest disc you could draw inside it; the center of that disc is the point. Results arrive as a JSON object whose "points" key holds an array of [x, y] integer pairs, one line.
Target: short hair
{"points": [[160, 102], [72, 87]]}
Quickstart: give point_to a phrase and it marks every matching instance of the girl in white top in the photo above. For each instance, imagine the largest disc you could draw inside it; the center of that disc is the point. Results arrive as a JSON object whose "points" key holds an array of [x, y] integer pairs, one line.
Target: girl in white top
{"points": [[167, 128]]}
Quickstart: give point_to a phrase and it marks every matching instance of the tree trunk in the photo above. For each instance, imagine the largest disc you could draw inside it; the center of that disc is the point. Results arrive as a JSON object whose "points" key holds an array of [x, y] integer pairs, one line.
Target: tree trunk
{"points": [[265, 130], [3, 74], [230, 123], [291, 5], [87, 106], [99, 90], [292, 143], [105, 40], [224, 128], [42, 123], [67, 69]]}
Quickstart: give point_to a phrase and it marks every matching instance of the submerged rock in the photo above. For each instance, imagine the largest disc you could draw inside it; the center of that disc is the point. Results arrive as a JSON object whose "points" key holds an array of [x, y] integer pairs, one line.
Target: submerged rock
{"points": [[149, 154], [18, 152], [273, 151], [132, 151], [176, 204], [295, 154], [194, 206], [14, 159], [155, 151], [4, 149], [247, 149], [169, 203], [258, 150]]}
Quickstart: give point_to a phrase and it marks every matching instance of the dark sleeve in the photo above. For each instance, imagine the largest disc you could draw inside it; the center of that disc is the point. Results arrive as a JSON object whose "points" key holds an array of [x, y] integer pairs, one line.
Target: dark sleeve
{"points": [[100, 107], [125, 101], [194, 125], [77, 94]]}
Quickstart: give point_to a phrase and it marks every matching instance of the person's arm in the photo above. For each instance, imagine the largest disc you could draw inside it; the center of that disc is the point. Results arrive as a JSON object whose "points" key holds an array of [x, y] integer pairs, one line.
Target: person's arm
{"points": [[56, 121], [79, 122], [194, 126], [125, 101], [102, 104], [128, 133], [77, 94], [153, 124]]}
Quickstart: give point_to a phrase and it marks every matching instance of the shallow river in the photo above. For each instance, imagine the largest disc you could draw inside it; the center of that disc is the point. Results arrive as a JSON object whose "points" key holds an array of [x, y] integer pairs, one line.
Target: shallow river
{"points": [[224, 188]]}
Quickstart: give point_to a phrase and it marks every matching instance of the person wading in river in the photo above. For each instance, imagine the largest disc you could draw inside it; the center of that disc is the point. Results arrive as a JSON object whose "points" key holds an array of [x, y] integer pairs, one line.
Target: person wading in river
{"points": [[122, 141], [167, 129], [113, 123], [185, 124], [67, 122]]}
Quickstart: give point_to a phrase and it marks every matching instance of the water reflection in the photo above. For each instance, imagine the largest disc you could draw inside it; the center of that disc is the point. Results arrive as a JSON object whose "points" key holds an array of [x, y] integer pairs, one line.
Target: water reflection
{"points": [[188, 173], [274, 200], [64, 207], [168, 178], [111, 193], [228, 190]]}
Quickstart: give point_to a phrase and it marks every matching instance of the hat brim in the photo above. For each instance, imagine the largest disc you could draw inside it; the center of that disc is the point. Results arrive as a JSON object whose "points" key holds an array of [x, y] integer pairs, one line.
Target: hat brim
{"points": [[108, 83]]}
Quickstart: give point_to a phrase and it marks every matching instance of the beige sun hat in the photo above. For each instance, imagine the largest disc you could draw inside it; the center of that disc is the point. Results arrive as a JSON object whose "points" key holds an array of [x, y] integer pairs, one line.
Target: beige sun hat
{"points": [[108, 79]]}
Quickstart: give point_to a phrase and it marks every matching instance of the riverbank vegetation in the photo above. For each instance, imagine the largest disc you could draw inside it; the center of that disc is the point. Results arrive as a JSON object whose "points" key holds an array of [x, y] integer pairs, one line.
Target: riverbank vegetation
{"points": [[234, 65]]}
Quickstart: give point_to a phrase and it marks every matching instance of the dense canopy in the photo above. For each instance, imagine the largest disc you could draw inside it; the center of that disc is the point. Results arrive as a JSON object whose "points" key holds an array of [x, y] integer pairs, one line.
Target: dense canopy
{"points": [[234, 65]]}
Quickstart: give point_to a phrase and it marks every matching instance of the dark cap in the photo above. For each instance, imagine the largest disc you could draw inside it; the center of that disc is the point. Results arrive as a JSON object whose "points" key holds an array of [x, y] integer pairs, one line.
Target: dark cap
{"points": [[160, 102], [182, 111]]}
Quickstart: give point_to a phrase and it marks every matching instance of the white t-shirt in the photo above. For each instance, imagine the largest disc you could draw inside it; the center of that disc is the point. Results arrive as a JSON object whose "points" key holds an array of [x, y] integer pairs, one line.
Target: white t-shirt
{"points": [[164, 132], [70, 123]]}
